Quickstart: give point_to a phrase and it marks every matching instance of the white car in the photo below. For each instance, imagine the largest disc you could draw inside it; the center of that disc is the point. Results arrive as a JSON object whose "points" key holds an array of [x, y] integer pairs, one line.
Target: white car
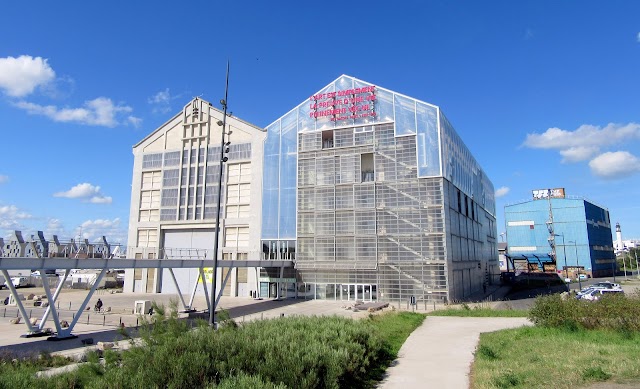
{"points": [[596, 294], [37, 274], [606, 285]]}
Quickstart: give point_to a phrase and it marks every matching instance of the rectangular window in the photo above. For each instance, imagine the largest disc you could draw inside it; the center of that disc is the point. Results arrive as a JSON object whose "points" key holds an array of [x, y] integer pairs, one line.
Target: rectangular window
{"points": [[151, 180], [148, 238], [171, 177], [239, 172], [149, 199], [172, 158], [237, 211], [152, 161], [235, 237], [168, 214], [149, 215], [239, 151], [238, 193], [466, 206], [169, 197], [213, 174]]}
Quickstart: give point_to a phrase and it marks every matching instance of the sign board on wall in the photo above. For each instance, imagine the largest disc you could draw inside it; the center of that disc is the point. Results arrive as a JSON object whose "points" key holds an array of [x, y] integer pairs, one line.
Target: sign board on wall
{"points": [[344, 104], [557, 193]]}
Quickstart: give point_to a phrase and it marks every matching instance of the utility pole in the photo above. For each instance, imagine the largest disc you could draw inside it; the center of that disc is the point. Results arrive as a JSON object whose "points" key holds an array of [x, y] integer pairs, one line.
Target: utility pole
{"points": [[223, 149], [551, 229]]}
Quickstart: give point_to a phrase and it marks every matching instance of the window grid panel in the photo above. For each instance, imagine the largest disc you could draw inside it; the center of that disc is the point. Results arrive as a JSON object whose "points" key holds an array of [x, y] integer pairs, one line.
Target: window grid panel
{"points": [[344, 223], [171, 178], [364, 195], [306, 199], [325, 249], [169, 197], [343, 138], [167, 214], [345, 249], [325, 223], [152, 161], [325, 198], [306, 172], [344, 197], [172, 158], [325, 171]]}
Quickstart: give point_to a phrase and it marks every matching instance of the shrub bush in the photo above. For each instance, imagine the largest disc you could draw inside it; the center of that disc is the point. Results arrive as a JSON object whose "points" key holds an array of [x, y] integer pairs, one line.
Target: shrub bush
{"points": [[296, 352], [614, 312]]}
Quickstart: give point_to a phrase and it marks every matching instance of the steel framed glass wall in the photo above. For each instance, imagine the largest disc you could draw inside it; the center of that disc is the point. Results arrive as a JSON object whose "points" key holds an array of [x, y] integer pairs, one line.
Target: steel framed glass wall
{"points": [[364, 167]]}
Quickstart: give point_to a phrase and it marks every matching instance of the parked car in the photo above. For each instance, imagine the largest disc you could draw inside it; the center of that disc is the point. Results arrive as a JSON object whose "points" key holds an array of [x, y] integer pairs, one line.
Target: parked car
{"points": [[596, 294], [606, 285], [48, 273], [582, 277], [584, 291]]}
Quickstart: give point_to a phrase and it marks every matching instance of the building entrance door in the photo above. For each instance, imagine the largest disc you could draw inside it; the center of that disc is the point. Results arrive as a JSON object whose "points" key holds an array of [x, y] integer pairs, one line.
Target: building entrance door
{"points": [[357, 292]]}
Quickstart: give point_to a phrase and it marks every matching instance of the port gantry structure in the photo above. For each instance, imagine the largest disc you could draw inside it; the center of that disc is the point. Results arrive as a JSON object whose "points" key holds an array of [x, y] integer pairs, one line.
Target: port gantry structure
{"points": [[38, 254]]}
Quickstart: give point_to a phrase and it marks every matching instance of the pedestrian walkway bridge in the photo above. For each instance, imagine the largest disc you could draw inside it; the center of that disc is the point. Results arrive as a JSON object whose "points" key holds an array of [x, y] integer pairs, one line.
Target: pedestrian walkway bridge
{"points": [[39, 254]]}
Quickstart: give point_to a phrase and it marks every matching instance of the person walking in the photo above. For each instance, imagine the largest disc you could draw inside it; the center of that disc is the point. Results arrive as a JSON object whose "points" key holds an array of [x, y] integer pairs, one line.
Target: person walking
{"points": [[98, 306]]}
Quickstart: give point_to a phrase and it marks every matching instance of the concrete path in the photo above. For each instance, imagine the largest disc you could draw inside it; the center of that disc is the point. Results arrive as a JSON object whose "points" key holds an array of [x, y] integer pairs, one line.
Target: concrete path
{"points": [[439, 353]]}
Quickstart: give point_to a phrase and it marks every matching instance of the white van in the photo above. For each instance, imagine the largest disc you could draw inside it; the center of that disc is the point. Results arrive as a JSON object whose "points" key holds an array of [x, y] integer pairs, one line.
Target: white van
{"points": [[19, 281]]}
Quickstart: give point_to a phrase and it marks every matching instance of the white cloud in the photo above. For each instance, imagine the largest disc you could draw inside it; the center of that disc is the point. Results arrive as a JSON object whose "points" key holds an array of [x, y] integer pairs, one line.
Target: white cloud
{"points": [[97, 112], [87, 192], [584, 136], [638, 37], [55, 227], [3, 179], [134, 121], [20, 76], [160, 97], [613, 165], [95, 229], [579, 153], [588, 141], [502, 191], [161, 101], [11, 218]]}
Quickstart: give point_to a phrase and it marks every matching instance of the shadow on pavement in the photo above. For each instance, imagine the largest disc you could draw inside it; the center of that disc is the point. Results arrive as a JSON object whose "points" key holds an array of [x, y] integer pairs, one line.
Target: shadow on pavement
{"points": [[85, 339], [259, 306]]}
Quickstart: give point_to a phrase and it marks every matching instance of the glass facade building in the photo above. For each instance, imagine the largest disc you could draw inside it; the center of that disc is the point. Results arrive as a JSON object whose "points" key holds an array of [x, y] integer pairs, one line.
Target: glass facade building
{"points": [[375, 197], [581, 235]]}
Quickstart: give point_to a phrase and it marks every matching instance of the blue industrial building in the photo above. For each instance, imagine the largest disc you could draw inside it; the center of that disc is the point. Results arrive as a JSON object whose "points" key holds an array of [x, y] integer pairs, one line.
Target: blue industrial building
{"points": [[554, 233]]}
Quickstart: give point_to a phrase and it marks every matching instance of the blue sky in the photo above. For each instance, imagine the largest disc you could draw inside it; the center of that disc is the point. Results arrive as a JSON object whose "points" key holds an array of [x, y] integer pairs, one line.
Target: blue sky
{"points": [[544, 93]]}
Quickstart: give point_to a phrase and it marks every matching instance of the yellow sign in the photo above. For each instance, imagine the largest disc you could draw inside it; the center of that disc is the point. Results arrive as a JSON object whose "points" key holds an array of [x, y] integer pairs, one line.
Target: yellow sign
{"points": [[208, 271]]}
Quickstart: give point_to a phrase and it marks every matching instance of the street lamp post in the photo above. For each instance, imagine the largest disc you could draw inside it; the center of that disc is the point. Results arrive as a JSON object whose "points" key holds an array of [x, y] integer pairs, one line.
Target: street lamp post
{"points": [[575, 245], [635, 252], [223, 158], [564, 250]]}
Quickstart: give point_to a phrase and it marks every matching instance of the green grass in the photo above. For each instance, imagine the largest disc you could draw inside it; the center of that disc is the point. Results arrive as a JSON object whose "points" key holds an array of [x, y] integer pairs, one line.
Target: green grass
{"points": [[537, 357], [479, 312], [395, 328]]}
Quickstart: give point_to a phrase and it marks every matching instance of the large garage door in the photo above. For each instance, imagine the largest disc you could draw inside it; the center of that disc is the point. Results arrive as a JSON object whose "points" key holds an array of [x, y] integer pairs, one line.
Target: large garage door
{"points": [[176, 242]]}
